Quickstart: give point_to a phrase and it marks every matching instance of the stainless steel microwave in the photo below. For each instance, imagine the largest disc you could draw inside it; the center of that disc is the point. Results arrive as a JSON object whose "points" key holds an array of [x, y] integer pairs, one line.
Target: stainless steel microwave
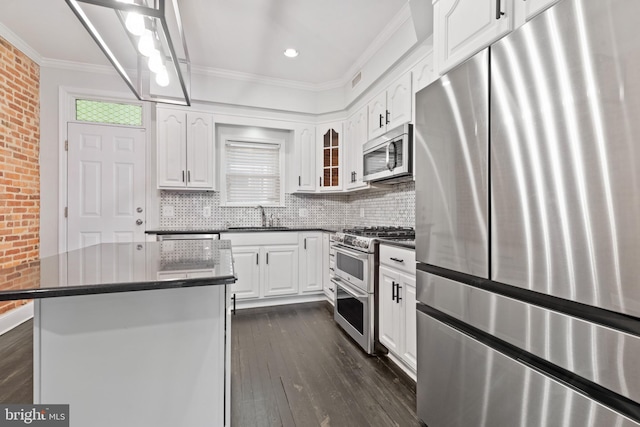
{"points": [[389, 158]]}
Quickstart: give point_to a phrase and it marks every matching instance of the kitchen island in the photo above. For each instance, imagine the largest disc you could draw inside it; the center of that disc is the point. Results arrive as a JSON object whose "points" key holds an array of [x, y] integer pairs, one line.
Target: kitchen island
{"points": [[132, 334]]}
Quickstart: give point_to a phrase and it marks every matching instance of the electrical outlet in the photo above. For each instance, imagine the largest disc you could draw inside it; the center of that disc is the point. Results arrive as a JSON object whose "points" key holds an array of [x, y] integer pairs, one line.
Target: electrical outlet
{"points": [[206, 211], [168, 211], [302, 213], [361, 212]]}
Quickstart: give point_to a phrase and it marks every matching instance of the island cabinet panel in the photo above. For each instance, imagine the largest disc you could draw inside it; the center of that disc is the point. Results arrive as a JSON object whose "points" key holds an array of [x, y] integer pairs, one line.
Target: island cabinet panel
{"points": [[134, 358]]}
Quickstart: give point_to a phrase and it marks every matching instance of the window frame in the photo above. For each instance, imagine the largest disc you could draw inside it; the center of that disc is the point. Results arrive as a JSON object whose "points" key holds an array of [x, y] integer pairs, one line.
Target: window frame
{"points": [[281, 143]]}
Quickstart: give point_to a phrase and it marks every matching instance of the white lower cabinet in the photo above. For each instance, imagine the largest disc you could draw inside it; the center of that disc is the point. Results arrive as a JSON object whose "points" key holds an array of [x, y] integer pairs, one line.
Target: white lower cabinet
{"points": [[310, 246], [328, 266], [276, 265], [280, 270], [397, 305], [247, 267]]}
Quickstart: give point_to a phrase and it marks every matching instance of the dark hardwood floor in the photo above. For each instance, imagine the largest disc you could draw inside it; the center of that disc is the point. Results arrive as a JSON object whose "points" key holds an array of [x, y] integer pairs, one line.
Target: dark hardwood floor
{"points": [[16, 365], [291, 366]]}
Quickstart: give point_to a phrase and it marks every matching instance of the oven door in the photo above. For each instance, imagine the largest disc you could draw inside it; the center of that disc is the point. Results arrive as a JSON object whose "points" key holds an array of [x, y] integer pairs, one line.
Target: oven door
{"points": [[352, 266], [353, 312]]}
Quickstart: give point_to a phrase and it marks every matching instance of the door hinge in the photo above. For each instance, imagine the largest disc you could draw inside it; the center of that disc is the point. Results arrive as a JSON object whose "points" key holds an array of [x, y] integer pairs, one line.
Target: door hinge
{"points": [[66, 212], [66, 145]]}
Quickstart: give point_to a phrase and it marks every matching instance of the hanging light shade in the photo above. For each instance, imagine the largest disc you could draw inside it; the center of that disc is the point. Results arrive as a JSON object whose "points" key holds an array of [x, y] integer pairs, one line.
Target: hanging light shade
{"points": [[144, 40]]}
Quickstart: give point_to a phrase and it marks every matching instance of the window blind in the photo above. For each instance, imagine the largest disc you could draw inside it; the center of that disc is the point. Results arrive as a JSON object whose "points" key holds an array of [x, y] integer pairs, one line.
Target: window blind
{"points": [[252, 173]]}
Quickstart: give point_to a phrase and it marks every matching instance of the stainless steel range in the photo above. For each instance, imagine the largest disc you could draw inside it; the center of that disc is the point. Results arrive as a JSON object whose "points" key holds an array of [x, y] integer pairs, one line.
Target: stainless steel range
{"points": [[356, 253]]}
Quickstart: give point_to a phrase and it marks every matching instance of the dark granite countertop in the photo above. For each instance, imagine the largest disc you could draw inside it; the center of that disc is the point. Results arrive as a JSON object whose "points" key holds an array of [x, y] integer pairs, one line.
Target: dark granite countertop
{"points": [[407, 244], [121, 267], [238, 230]]}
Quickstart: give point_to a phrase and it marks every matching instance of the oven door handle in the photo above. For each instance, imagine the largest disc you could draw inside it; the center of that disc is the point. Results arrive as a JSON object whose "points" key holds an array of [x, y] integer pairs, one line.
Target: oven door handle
{"points": [[355, 254], [348, 289]]}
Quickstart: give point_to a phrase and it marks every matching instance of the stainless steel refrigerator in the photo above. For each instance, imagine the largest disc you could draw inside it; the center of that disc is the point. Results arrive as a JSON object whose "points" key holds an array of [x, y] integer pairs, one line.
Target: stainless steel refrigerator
{"points": [[528, 226]]}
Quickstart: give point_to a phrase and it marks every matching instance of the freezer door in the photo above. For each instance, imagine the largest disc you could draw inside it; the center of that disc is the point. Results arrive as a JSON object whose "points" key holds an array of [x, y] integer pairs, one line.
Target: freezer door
{"points": [[597, 353], [463, 382], [565, 158], [451, 132]]}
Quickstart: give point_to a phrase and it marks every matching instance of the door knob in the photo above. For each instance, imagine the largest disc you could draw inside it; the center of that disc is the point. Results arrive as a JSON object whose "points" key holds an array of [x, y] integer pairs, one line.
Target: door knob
{"points": [[139, 210], [139, 222]]}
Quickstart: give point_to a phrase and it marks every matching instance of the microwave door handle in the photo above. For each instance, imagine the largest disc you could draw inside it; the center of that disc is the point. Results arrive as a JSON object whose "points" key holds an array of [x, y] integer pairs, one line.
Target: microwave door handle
{"points": [[391, 164]]}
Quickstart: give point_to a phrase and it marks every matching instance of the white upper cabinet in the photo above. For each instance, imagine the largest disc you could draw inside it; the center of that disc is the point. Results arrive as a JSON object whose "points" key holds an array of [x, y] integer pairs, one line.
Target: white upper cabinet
{"points": [[200, 151], [305, 156], [527, 9], [330, 147], [464, 27], [355, 135], [423, 73], [186, 155], [391, 108]]}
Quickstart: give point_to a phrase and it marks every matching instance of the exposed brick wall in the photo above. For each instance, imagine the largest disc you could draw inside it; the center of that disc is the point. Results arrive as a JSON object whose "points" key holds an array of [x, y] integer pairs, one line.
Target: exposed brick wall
{"points": [[19, 163]]}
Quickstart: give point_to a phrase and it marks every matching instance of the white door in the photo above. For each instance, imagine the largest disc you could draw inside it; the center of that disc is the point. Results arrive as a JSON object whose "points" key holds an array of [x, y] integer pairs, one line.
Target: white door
{"points": [[172, 149], [280, 270], [377, 116], [410, 344], [389, 310], [310, 262], [306, 158], [399, 98], [246, 263], [105, 185], [200, 151]]}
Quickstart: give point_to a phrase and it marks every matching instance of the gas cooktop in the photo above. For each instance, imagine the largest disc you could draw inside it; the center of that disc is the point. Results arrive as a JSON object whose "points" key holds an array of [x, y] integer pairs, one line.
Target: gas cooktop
{"points": [[389, 233], [365, 238]]}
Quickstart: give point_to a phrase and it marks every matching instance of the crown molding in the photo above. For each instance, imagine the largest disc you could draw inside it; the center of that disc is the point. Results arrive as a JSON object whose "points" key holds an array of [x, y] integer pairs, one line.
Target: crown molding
{"points": [[78, 66], [20, 44], [398, 20], [257, 78]]}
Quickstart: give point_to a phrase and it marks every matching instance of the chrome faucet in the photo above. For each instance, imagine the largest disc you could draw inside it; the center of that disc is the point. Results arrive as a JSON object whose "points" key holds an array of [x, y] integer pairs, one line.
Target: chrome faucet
{"points": [[264, 216]]}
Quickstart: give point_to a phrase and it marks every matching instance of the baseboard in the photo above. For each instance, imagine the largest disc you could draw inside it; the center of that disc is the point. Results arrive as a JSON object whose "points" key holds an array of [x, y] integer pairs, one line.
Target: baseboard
{"points": [[15, 317], [268, 302], [400, 364]]}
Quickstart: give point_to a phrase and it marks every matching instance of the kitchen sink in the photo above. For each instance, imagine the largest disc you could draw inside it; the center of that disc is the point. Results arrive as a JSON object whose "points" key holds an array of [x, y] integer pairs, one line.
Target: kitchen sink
{"points": [[258, 228]]}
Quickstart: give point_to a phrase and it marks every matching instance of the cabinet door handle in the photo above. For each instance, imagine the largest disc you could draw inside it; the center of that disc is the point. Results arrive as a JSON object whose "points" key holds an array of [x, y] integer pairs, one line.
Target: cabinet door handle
{"points": [[396, 259], [257, 259], [381, 120], [299, 181], [234, 304], [398, 297], [320, 181], [389, 113], [499, 12], [188, 176], [305, 243], [267, 258], [182, 176], [393, 291]]}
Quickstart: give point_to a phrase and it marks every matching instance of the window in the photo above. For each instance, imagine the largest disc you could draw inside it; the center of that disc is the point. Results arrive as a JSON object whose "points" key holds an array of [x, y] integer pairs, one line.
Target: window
{"points": [[251, 173], [108, 112]]}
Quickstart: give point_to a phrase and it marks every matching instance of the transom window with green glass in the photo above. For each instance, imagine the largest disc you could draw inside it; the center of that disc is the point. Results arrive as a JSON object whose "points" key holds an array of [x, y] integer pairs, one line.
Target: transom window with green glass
{"points": [[108, 112], [330, 166]]}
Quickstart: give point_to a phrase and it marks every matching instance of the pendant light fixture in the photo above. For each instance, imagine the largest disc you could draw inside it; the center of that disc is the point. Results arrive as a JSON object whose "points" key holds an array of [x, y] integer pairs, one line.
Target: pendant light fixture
{"points": [[144, 40]]}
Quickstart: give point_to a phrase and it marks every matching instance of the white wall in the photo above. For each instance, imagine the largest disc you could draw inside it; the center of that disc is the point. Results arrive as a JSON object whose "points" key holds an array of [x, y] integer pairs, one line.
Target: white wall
{"points": [[52, 138]]}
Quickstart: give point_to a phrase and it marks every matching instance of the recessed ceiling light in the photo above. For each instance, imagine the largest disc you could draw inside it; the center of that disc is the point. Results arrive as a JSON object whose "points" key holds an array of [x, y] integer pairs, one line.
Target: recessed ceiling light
{"points": [[291, 53]]}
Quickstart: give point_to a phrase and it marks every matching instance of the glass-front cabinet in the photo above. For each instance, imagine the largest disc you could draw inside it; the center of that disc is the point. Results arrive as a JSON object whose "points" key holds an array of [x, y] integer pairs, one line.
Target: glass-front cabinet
{"points": [[330, 145]]}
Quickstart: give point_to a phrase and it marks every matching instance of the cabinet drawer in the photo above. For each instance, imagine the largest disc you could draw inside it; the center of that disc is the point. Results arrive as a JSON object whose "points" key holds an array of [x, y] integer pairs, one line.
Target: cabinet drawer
{"points": [[398, 258]]}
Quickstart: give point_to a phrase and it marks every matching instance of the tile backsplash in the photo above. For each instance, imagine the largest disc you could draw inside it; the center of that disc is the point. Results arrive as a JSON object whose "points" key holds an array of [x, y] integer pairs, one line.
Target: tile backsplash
{"points": [[389, 205]]}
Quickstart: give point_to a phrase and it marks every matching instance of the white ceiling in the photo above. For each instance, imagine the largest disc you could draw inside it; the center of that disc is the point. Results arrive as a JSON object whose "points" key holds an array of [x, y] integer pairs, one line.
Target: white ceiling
{"points": [[242, 36]]}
